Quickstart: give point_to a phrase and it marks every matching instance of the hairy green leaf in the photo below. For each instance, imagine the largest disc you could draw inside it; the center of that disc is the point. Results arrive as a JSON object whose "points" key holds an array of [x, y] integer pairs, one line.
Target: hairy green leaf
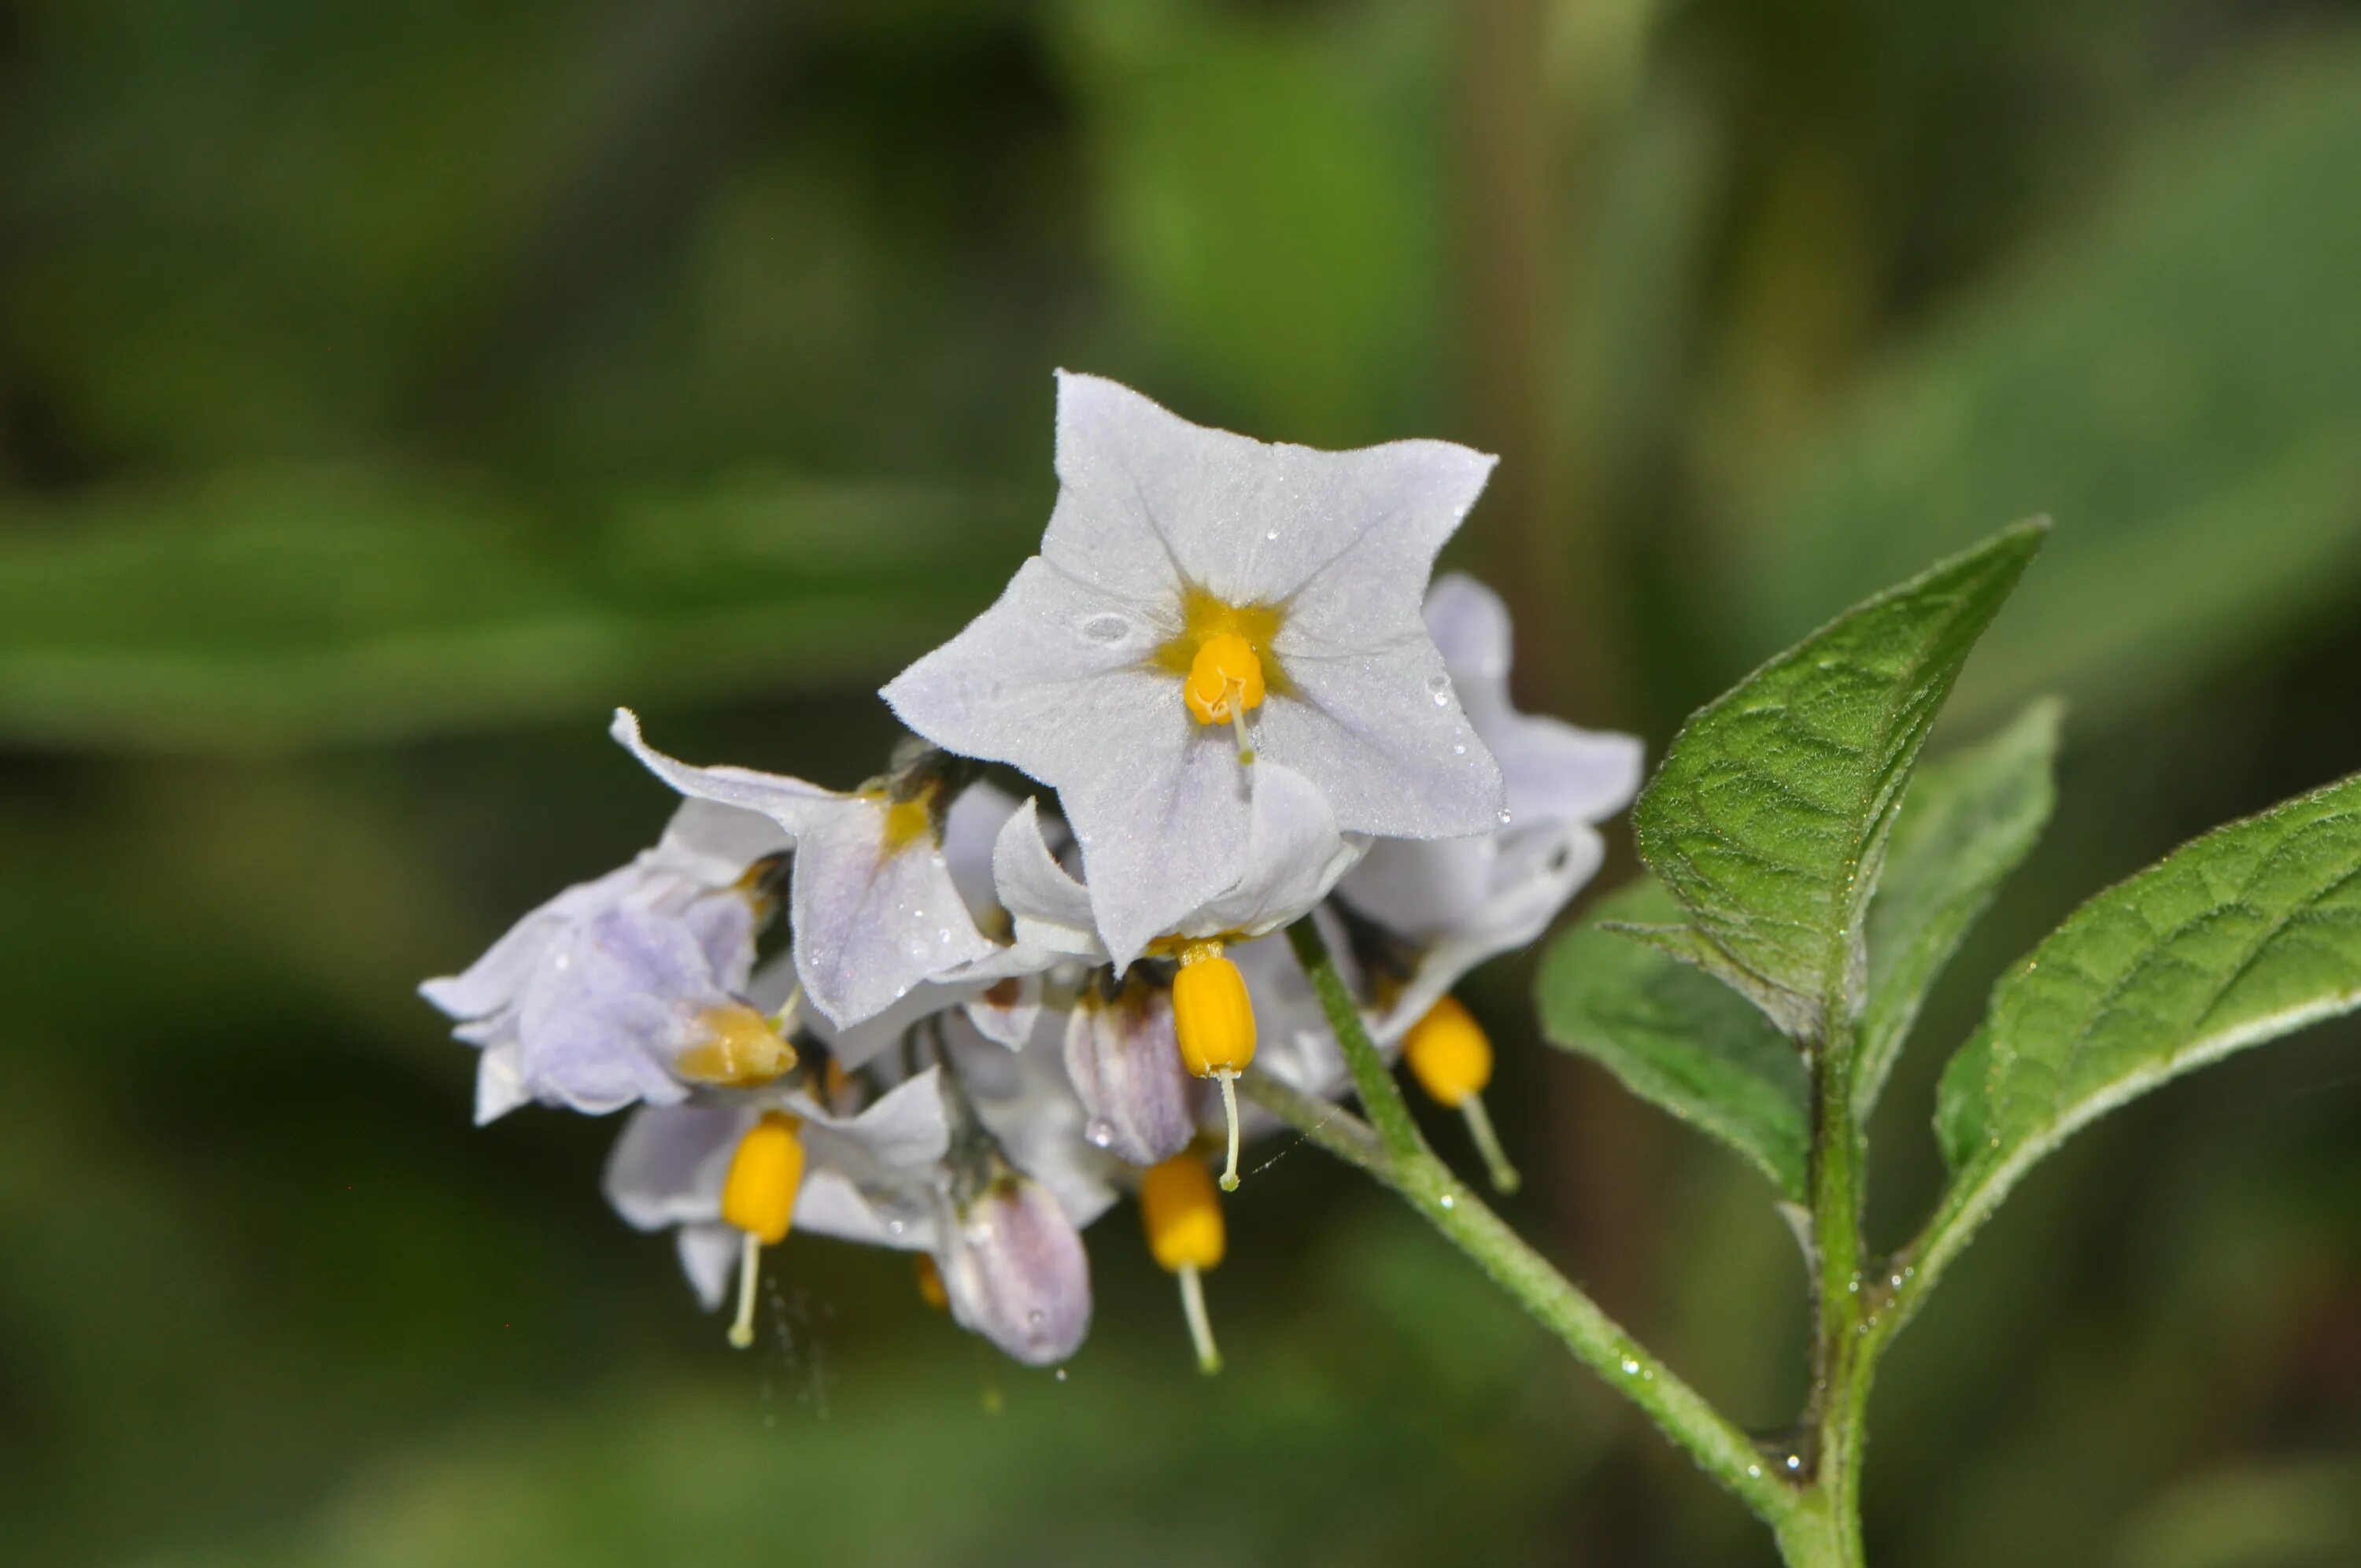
{"points": [[1675, 1037], [1768, 820], [2243, 936], [1966, 821], [282, 606]]}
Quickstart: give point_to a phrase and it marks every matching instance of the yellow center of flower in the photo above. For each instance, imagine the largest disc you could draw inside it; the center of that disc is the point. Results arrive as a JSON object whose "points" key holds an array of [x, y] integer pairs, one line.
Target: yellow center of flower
{"points": [[1224, 679], [758, 1196], [737, 1049], [907, 822], [1224, 656], [1449, 1053]]}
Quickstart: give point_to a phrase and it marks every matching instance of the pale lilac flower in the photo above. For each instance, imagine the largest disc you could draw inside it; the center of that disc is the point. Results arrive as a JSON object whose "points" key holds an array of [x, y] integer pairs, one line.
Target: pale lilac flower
{"points": [[873, 1178], [1015, 1270], [1459, 902], [1292, 856], [1280, 586], [875, 908], [628, 988]]}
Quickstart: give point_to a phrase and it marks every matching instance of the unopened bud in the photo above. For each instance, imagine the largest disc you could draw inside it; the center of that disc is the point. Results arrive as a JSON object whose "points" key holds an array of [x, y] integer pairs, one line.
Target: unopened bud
{"points": [[1015, 1270], [1125, 1061]]}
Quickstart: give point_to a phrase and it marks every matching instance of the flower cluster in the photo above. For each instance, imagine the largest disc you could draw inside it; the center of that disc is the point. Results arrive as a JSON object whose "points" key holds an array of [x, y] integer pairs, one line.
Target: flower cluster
{"points": [[1241, 705]]}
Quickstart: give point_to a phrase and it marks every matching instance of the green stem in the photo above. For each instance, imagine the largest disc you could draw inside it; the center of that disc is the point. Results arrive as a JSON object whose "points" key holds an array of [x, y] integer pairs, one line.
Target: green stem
{"points": [[1390, 1147], [1845, 1298]]}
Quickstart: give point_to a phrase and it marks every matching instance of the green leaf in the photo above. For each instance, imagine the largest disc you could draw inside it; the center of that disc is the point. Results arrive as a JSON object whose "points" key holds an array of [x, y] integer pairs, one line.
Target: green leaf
{"points": [[286, 606], [1675, 1037], [1769, 817], [2241, 937], [2176, 376], [1967, 820]]}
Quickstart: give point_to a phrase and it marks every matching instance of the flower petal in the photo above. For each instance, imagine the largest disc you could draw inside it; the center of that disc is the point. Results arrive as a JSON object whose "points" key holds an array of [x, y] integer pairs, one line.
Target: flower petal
{"points": [[1148, 501], [668, 1166], [1051, 908], [1048, 679], [873, 920], [790, 803], [1537, 872], [1293, 856], [708, 1255], [1380, 734]]}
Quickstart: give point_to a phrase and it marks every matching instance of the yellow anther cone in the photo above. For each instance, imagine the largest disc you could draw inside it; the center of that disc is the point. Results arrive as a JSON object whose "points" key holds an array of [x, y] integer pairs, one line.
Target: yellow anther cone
{"points": [[1183, 1216], [758, 1196], [1451, 1056], [1213, 1017], [1225, 679]]}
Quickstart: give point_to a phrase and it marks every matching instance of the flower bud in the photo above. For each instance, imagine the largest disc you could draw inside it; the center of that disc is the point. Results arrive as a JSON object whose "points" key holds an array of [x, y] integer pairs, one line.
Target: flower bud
{"points": [[1014, 1267], [1126, 1066]]}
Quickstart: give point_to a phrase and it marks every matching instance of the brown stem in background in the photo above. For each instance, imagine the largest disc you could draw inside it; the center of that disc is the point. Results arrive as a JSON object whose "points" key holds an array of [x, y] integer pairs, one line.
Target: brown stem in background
{"points": [[1548, 545]]}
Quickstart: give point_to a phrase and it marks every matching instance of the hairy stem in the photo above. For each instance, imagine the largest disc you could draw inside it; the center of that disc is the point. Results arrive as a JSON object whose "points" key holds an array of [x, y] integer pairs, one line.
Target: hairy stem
{"points": [[1844, 1297], [1390, 1147]]}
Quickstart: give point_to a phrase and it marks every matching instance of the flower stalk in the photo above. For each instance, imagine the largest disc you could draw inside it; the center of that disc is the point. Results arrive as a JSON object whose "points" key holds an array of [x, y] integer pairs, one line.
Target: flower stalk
{"points": [[1390, 1147]]}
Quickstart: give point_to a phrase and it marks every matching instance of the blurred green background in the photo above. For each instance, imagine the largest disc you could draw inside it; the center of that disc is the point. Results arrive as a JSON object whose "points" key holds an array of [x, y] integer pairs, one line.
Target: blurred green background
{"points": [[387, 391]]}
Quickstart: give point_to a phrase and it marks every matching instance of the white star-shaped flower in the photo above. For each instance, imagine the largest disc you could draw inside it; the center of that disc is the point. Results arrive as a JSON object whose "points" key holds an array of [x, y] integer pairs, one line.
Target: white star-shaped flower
{"points": [[876, 909], [1460, 902], [628, 988], [1201, 598], [873, 1178], [1292, 855]]}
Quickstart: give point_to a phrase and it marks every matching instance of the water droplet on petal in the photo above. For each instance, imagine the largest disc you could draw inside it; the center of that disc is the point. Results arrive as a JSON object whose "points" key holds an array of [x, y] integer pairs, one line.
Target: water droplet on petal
{"points": [[1035, 1318], [1101, 1132], [1505, 816], [894, 1227], [1107, 627], [1459, 751], [1272, 536]]}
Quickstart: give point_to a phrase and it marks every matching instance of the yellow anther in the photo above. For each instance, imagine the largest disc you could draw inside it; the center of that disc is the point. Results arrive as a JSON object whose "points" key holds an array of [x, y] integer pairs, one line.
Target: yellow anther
{"points": [[740, 1049], [1451, 1056], [1184, 1221], [1212, 1016], [1449, 1053], [1224, 679], [931, 1284], [1212, 1012], [758, 1196], [834, 1082], [1181, 1214]]}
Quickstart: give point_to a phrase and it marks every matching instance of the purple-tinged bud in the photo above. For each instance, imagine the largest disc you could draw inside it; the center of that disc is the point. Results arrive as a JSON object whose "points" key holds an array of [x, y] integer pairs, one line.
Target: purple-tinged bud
{"points": [[1125, 1061], [1014, 1267]]}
